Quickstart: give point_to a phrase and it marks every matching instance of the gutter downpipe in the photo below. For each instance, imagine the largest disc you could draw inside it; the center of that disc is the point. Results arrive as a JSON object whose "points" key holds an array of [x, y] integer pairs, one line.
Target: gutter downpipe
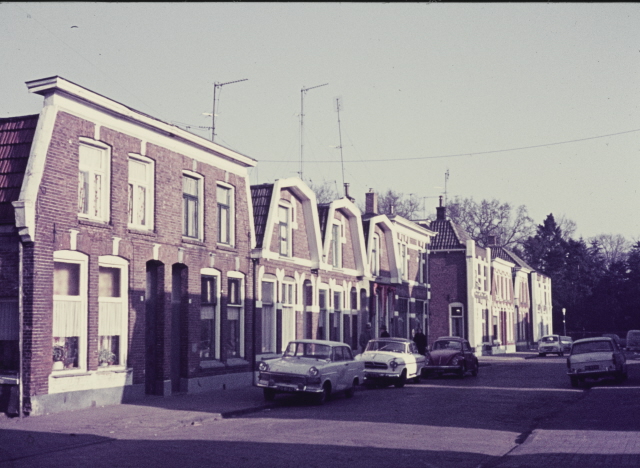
{"points": [[254, 261], [20, 329]]}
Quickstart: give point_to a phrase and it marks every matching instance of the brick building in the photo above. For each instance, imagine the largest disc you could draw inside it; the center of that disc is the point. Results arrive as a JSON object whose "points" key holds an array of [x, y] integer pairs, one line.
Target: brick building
{"points": [[126, 241]]}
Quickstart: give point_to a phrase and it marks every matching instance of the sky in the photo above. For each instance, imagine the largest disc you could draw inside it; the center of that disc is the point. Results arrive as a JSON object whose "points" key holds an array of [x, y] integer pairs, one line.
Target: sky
{"points": [[529, 104]]}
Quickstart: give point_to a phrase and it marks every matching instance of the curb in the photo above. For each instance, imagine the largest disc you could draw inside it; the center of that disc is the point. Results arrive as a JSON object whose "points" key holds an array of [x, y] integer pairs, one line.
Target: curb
{"points": [[240, 412]]}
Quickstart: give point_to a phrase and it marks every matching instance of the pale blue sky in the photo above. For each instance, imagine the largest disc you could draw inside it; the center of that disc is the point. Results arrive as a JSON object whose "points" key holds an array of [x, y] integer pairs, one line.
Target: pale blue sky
{"points": [[416, 81]]}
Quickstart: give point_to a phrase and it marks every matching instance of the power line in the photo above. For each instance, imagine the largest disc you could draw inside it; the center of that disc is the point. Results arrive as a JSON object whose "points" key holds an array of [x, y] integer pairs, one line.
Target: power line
{"points": [[472, 153]]}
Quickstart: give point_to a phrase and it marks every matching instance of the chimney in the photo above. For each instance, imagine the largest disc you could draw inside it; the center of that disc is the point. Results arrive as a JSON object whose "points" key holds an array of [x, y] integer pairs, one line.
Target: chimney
{"points": [[346, 193], [441, 211], [371, 203]]}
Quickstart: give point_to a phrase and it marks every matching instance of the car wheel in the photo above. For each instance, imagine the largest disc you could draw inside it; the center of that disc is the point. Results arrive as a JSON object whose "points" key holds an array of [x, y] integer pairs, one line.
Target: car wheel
{"points": [[462, 371], [574, 381], [542, 354], [416, 379], [269, 394], [560, 354], [323, 396], [474, 371], [401, 380], [349, 392]]}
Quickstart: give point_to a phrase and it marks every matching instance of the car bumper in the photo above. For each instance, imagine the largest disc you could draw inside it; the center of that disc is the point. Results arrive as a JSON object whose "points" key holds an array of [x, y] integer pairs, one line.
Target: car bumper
{"points": [[373, 375], [595, 374], [298, 385], [442, 368]]}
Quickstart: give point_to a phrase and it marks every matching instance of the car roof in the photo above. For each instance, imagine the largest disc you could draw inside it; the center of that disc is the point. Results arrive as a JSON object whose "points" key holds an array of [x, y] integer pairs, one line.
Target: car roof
{"points": [[596, 338], [456, 338], [321, 342], [393, 338]]}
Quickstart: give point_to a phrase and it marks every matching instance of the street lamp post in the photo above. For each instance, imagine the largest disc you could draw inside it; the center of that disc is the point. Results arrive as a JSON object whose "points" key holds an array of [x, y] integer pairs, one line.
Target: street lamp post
{"points": [[564, 320]]}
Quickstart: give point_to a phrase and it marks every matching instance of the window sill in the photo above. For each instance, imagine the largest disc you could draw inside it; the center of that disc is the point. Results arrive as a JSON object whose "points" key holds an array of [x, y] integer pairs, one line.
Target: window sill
{"points": [[142, 232], [227, 248], [235, 362], [71, 374], [211, 364], [9, 380], [95, 223], [113, 369], [190, 240]]}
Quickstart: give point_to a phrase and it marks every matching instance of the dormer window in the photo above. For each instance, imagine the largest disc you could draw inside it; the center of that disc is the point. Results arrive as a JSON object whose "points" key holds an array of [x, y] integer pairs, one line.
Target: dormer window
{"points": [[284, 231]]}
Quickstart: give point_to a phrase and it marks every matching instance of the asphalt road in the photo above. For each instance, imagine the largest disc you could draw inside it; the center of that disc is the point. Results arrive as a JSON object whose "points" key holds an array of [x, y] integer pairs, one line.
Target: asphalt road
{"points": [[516, 413]]}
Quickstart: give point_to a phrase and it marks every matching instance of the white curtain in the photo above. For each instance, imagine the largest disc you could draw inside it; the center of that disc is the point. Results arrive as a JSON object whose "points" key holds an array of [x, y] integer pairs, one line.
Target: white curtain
{"points": [[207, 312], [267, 328], [110, 319], [9, 321], [288, 325], [67, 318]]}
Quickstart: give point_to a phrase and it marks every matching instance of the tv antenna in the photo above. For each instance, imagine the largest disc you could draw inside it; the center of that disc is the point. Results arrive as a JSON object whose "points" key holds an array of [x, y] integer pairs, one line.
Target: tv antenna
{"points": [[303, 91], [338, 107], [446, 178], [217, 85]]}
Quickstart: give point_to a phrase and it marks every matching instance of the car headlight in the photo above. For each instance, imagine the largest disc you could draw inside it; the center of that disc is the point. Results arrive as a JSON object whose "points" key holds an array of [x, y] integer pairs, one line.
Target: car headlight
{"points": [[393, 364], [455, 361], [314, 372], [263, 366]]}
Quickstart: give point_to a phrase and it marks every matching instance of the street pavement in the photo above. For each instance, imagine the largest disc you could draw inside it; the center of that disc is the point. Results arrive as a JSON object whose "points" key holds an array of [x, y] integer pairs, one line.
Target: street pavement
{"points": [[29, 438]]}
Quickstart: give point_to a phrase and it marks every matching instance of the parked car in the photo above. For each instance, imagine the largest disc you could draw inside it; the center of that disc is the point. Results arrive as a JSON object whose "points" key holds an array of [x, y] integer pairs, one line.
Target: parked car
{"points": [[621, 343], [633, 340], [555, 344], [316, 367], [451, 354], [596, 358], [391, 360]]}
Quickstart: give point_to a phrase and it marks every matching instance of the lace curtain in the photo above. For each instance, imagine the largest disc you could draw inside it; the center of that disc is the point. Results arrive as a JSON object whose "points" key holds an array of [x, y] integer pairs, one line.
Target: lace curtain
{"points": [[110, 319], [67, 318]]}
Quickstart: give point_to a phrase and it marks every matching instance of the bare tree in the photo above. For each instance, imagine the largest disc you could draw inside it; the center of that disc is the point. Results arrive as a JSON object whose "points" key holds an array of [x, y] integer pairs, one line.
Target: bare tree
{"points": [[567, 226], [395, 203], [491, 218], [325, 192], [614, 247]]}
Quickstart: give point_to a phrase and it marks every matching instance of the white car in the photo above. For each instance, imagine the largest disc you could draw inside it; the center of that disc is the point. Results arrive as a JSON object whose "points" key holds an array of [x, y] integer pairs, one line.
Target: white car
{"points": [[555, 344], [317, 367], [391, 360], [596, 358]]}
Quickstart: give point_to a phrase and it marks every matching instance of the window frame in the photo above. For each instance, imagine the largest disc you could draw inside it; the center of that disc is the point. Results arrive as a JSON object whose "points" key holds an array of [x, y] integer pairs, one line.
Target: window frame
{"points": [[111, 261], [239, 306], [105, 187], [214, 274], [149, 185], [199, 234], [271, 329], [230, 207], [77, 258], [336, 244], [287, 226]]}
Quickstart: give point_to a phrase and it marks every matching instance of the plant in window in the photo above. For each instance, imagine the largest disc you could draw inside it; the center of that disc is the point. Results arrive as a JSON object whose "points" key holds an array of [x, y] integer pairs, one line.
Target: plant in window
{"points": [[106, 357], [58, 357]]}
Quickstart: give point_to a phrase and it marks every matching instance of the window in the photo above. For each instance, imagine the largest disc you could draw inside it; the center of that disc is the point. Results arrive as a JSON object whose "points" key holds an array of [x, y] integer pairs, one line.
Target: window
{"points": [[375, 255], [284, 230], [336, 246], [402, 253], [307, 288], [113, 317], [336, 317], [224, 196], [422, 273], [235, 313], [208, 317], [141, 195], [322, 319], [69, 311], [457, 325], [93, 182], [9, 336], [288, 312], [191, 194], [268, 317]]}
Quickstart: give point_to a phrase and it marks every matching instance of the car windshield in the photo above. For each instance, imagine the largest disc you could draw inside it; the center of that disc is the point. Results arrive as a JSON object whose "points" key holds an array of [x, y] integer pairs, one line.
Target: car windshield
{"points": [[549, 339], [383, 345], [591, 347], [310, 350], [447, 344]]}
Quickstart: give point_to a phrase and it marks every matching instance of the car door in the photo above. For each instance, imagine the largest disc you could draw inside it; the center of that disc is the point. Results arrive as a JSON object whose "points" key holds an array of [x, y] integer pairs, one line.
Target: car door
{"points": [[354, 368], [341, 368], [468, 355]]}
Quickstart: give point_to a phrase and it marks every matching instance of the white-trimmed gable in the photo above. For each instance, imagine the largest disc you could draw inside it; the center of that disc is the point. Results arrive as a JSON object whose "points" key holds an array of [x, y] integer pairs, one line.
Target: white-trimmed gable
{"points": [[354, 218]]}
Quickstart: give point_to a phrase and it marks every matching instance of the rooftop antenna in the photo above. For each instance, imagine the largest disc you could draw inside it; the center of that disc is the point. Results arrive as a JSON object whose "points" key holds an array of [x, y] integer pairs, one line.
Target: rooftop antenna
{"points": [[446, 178], [338, 107], [303, 91], [217, 85]]}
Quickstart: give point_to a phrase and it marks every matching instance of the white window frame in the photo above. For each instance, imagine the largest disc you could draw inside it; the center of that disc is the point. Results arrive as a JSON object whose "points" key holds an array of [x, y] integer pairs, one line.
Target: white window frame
{"points": [[231, 231], [270, 330], [375, 255], [288, 301], [240, 308], [149, 186], [403, 257], [335, 310], [111, 261], [105, 185], [216, 315], [336, 244], [74, 257], [288, 226], [200, 206]]}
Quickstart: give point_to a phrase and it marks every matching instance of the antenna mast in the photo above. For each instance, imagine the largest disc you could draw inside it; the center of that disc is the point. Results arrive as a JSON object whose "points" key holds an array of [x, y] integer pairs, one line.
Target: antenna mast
{"points": [[446, 178], [302, 93], [338, 106], [217, 85]]}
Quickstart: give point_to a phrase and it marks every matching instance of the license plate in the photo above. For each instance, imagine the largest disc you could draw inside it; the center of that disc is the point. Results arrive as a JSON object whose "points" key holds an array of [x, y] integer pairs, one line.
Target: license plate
{"points": [[592, 367], [282, 388]]}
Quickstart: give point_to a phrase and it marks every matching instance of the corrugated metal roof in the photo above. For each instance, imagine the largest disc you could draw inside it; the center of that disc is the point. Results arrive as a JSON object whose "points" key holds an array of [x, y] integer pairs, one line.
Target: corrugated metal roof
{"points": [[16, 137], [261, 200]]}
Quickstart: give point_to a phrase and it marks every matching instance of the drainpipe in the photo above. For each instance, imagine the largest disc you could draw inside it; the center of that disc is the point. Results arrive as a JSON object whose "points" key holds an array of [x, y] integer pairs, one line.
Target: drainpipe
{"points": [[254, 261], [20, 329]]}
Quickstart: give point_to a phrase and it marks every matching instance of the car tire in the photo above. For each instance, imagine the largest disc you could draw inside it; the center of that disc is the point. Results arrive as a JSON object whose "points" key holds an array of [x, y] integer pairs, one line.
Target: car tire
{"points": [[560, 354], [574, 381], [462, 371], [349, 392], [542, 354], [323, 396], [416, 379], [401, 380], [474, 371], [269, 394]]}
